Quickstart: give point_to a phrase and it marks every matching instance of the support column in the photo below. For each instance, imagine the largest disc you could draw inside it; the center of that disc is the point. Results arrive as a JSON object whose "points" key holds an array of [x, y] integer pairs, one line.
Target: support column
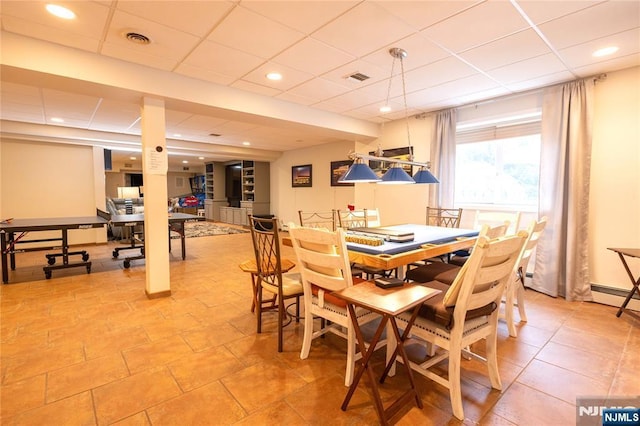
{"points": [[156, 221]]}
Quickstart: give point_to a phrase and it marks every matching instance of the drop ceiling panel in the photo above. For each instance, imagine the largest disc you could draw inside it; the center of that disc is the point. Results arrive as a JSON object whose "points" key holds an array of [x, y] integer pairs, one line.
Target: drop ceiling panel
{"points": [[595, 22], [480, 24], [507, 50], [53, 34], [437, 73], [528, 69], [222, 59], [545, 80], [303, 16], [581, 55], [610, 65], [193, 17], [250, 32], [113, 114], [69, 106], [290, 79], [541, 11], [204, 74], [166, 42], [359, 32], [422, 14], [420, 51], [313, 57], [317, 90]]}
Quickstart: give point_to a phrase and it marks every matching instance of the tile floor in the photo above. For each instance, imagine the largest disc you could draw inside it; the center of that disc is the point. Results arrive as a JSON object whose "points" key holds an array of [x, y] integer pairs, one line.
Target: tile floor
{"points": [[84, 349]]}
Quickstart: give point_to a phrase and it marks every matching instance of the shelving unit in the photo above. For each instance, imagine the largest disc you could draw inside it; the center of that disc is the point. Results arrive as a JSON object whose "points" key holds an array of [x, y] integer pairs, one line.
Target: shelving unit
{"points": [[255, 187], [214, 185]]}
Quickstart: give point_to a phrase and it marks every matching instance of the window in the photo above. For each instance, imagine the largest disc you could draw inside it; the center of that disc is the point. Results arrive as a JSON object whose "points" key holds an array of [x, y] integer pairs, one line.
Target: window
{"points": [[498, 166]]}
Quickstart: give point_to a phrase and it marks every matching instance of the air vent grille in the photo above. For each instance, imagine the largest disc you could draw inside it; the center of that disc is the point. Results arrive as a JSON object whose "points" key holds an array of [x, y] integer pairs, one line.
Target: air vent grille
{"points": [[137, 38], [358, 76], [217, 135]]}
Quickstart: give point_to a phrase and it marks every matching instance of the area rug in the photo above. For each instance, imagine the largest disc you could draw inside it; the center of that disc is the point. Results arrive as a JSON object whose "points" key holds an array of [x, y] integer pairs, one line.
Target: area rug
{"points": [[206, 229]]}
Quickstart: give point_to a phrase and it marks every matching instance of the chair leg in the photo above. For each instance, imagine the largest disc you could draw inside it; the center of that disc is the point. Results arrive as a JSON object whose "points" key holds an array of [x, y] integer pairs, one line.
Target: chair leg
{"points": [[455, 390], [508, 308], [281, 313], [308, 333], [492, 358], [351, 355], [520, 297], [259, 304]]}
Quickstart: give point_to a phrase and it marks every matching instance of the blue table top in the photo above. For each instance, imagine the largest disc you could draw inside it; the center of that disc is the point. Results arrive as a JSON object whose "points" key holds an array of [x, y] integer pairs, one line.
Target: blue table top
{"points": [[423, 234]]}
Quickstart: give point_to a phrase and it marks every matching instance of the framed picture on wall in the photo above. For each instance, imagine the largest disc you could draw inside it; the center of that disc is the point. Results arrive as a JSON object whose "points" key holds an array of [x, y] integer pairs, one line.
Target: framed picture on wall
{"points": [[301, 176], [338, 168], [380, 167]]}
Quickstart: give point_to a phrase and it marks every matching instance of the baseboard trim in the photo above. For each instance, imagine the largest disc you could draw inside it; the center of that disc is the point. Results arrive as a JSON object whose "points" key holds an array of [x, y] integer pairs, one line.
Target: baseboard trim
{"points": [[614, 296]]}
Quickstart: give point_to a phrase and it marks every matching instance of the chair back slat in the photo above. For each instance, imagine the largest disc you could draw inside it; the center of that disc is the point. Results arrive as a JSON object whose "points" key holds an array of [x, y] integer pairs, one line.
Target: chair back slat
{"points": [[266, 247], [352, 219], [485, 275], [322, 257]]}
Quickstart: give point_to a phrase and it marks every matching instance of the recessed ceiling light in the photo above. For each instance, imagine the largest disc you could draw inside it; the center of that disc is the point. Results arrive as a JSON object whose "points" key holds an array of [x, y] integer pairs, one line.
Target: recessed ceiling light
{"points": [[246, 143], [274, 76], [60, 12], [605, 51], [132, 158], [200, 158], [385, 108], [185, 162], [56, 120], [177, 135]]}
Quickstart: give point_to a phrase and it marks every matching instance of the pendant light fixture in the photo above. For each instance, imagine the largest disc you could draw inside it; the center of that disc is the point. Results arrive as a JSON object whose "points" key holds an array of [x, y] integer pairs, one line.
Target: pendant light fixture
{"points": [[361, 172]]}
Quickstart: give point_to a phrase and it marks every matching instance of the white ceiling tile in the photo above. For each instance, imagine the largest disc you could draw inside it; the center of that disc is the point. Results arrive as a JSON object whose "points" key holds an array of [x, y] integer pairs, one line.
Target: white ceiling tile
{"points": [[204, 74], [580, 55], [20, 94], [595, 22], [313, 56], [475, 26], [193, 17], [221, 59], [452, 89], [289, 96], [137, 57], [304, 16], [542, 81], [437, 73], [110, 113], [68, 105], [290, 77], [250, 32], [528, 69], [255, 88], [507, 50], [166, 42], [421, 14], [52, 34], [359, 30], [609, 66], [90, 21], [541, 10], [420, 51], [317, 90]]}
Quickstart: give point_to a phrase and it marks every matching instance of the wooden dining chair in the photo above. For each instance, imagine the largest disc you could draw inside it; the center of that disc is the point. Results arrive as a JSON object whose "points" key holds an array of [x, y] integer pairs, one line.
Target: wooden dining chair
{"points": [[446, 272], [321, 219], [514, 294], [324, 265], [348, 219], [270, 276], [466, 312], [446, 217]]}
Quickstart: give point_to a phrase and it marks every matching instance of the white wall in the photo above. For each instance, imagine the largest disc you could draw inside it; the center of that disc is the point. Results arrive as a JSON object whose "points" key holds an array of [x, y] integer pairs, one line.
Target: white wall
{"points": [[614, 207], [52, 180]]}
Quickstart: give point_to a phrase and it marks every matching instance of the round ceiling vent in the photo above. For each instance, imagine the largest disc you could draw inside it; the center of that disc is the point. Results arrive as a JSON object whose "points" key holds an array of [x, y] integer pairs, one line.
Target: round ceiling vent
{"points": [[137, 38]]}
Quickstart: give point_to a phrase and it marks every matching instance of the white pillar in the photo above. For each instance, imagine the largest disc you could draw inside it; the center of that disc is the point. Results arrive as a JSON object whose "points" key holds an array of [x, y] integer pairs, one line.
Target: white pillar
{"points": [[156, 222]]}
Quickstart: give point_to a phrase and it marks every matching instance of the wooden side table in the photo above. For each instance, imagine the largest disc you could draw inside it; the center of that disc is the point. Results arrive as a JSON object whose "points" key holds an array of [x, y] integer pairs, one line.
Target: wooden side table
{"points": [[389, 303], [635, 282]]}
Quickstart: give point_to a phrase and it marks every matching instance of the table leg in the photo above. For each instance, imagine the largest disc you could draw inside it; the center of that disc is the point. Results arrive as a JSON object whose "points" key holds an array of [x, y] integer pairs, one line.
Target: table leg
{"points": [[364, 364], [3, 247], [182, 240], [634, 282]]}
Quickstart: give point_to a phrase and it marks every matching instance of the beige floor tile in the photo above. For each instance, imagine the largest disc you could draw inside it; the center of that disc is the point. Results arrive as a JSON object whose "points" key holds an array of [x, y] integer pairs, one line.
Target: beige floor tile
{"points": [[523, 405], [197, 369], [123, 398], [210, 404], [259, 385], [22, 396], [75, 410], [580, 361], [85, 376], [155, 354]]}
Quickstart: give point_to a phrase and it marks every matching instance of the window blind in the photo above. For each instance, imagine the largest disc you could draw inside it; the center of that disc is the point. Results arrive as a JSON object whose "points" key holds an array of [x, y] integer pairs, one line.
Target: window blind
{"points": [[488, 133]]}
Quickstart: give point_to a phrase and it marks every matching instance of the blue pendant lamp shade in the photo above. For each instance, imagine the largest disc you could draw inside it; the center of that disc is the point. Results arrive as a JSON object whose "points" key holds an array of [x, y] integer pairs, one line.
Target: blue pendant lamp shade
{"points": [[424, 176], [396, 176], [358, 172]]}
